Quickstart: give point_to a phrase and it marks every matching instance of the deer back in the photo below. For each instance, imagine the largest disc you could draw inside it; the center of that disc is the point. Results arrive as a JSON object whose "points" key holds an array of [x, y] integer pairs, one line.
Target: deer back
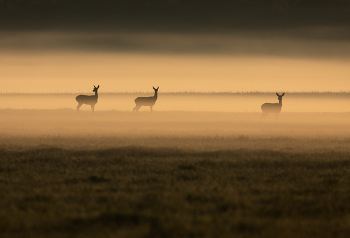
{"points": [[271, 107]]}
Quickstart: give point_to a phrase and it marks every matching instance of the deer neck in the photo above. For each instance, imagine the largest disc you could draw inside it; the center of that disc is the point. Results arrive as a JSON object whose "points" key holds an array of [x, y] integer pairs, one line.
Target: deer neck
{"points": [[155, 95], [96, 95], [280, 102]]}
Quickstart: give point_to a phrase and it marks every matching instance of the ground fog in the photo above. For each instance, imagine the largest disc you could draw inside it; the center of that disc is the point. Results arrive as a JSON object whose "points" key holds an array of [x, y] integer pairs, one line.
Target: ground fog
{"points": [[186, 101], [173, 173]]}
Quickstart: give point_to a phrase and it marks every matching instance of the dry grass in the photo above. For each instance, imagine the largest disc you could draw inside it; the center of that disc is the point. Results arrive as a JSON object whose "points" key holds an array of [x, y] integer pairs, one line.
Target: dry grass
{"points": [[159, 192], [173, 174]]}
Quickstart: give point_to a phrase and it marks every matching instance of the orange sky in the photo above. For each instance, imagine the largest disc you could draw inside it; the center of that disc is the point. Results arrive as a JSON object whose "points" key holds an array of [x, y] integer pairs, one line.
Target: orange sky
{"points": [[127, 72]]}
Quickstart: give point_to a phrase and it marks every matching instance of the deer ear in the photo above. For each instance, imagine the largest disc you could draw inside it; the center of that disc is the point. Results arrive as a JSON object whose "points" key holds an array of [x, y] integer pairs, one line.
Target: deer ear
{"points": [[282, 94], [98, 86], [154, 88], [158, 88], [277, 94]]}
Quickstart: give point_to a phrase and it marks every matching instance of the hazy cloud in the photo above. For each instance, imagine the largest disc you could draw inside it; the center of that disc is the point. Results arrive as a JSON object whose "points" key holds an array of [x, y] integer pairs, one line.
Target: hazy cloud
{"points": [[302, 42]]}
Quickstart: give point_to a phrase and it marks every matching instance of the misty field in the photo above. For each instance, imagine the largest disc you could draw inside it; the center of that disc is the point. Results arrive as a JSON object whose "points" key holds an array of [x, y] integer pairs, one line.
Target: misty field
{"points": [[183, 101], [173, 174]]}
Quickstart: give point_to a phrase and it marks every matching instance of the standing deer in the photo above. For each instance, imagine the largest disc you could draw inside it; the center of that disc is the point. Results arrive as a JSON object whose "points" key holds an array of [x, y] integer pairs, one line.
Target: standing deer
{"points": [[272, 107], [89, 100], [146, 101]]}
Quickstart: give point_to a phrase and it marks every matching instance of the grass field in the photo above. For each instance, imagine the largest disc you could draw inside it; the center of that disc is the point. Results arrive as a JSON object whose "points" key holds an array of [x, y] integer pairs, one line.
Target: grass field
{"points": [[173, 174], [183, 101]]}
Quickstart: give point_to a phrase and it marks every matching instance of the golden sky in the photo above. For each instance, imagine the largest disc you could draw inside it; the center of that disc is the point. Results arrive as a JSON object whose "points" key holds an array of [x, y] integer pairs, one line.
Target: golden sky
{"points": [[282, 60], [51, 72]]}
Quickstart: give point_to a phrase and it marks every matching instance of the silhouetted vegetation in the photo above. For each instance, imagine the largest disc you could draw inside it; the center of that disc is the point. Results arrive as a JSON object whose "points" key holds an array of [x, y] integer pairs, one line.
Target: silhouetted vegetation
{"points": [[162, 192], [172, 174], [186, 101]]}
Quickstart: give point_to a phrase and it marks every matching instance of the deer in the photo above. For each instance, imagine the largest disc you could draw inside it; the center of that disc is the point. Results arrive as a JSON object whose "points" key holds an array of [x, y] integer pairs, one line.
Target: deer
{"points": [[87, 99], [146, 101], [272, 107]]}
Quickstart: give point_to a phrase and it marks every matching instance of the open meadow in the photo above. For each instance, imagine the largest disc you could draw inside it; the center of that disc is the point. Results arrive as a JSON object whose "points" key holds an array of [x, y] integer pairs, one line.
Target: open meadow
{"points": [[173, 173], [77, 162]]}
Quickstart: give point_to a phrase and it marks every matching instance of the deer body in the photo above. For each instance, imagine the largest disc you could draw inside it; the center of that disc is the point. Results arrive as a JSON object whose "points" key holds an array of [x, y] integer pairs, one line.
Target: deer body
{"points": [[146, 101], [87, 99], [272, 107]]}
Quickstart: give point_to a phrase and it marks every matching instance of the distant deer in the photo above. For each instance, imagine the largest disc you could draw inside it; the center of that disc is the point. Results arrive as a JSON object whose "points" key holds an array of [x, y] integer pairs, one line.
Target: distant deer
{"points": [[146, 101], [272, 107], [89, 100]]}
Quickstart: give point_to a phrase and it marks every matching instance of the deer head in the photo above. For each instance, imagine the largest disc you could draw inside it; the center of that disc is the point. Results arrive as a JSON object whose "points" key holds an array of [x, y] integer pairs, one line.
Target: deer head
{"points": [[280, 96], [95, 89], [156, 89]]}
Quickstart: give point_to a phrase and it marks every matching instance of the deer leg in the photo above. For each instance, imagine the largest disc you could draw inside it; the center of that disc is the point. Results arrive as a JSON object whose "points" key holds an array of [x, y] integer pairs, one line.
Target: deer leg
{"points": [[151, 108], [79, 105], [264, 115], [92, 107], [137, 107]]}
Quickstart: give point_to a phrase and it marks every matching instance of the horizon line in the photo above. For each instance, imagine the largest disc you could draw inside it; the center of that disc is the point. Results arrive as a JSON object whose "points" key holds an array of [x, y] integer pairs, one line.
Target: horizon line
{"points": [[182, 92]]}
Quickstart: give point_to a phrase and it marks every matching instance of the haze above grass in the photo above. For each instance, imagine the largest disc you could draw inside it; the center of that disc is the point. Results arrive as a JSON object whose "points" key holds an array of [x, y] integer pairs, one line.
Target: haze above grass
{"points": [[176, 128], [316, 102], [200, 165], [171, 174]]}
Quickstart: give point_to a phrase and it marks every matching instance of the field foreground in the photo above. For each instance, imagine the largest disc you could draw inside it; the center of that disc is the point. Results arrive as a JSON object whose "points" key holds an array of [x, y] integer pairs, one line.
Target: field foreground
{"points": [[173, 175]]}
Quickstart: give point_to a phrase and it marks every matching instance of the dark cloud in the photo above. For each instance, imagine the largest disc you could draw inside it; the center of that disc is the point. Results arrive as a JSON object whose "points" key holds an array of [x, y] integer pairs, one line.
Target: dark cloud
{"points": [[303, 42], [297, 28], [172, 15]]}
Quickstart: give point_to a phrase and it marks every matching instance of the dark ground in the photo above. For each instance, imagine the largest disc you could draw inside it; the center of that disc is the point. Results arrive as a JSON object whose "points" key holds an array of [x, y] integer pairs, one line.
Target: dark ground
{"points": [[173, 174], [164, 192]]}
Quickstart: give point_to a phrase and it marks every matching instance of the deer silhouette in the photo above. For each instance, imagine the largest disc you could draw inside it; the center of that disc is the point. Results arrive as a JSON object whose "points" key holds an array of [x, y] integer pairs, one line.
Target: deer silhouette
{"points": [[272, 107], [87, 99], [146, 101]]}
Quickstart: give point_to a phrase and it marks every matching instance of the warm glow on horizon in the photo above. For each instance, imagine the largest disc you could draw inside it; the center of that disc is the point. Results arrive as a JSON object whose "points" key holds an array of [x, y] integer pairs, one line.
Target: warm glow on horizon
{"points": [[174, 118], [132, 72]]}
